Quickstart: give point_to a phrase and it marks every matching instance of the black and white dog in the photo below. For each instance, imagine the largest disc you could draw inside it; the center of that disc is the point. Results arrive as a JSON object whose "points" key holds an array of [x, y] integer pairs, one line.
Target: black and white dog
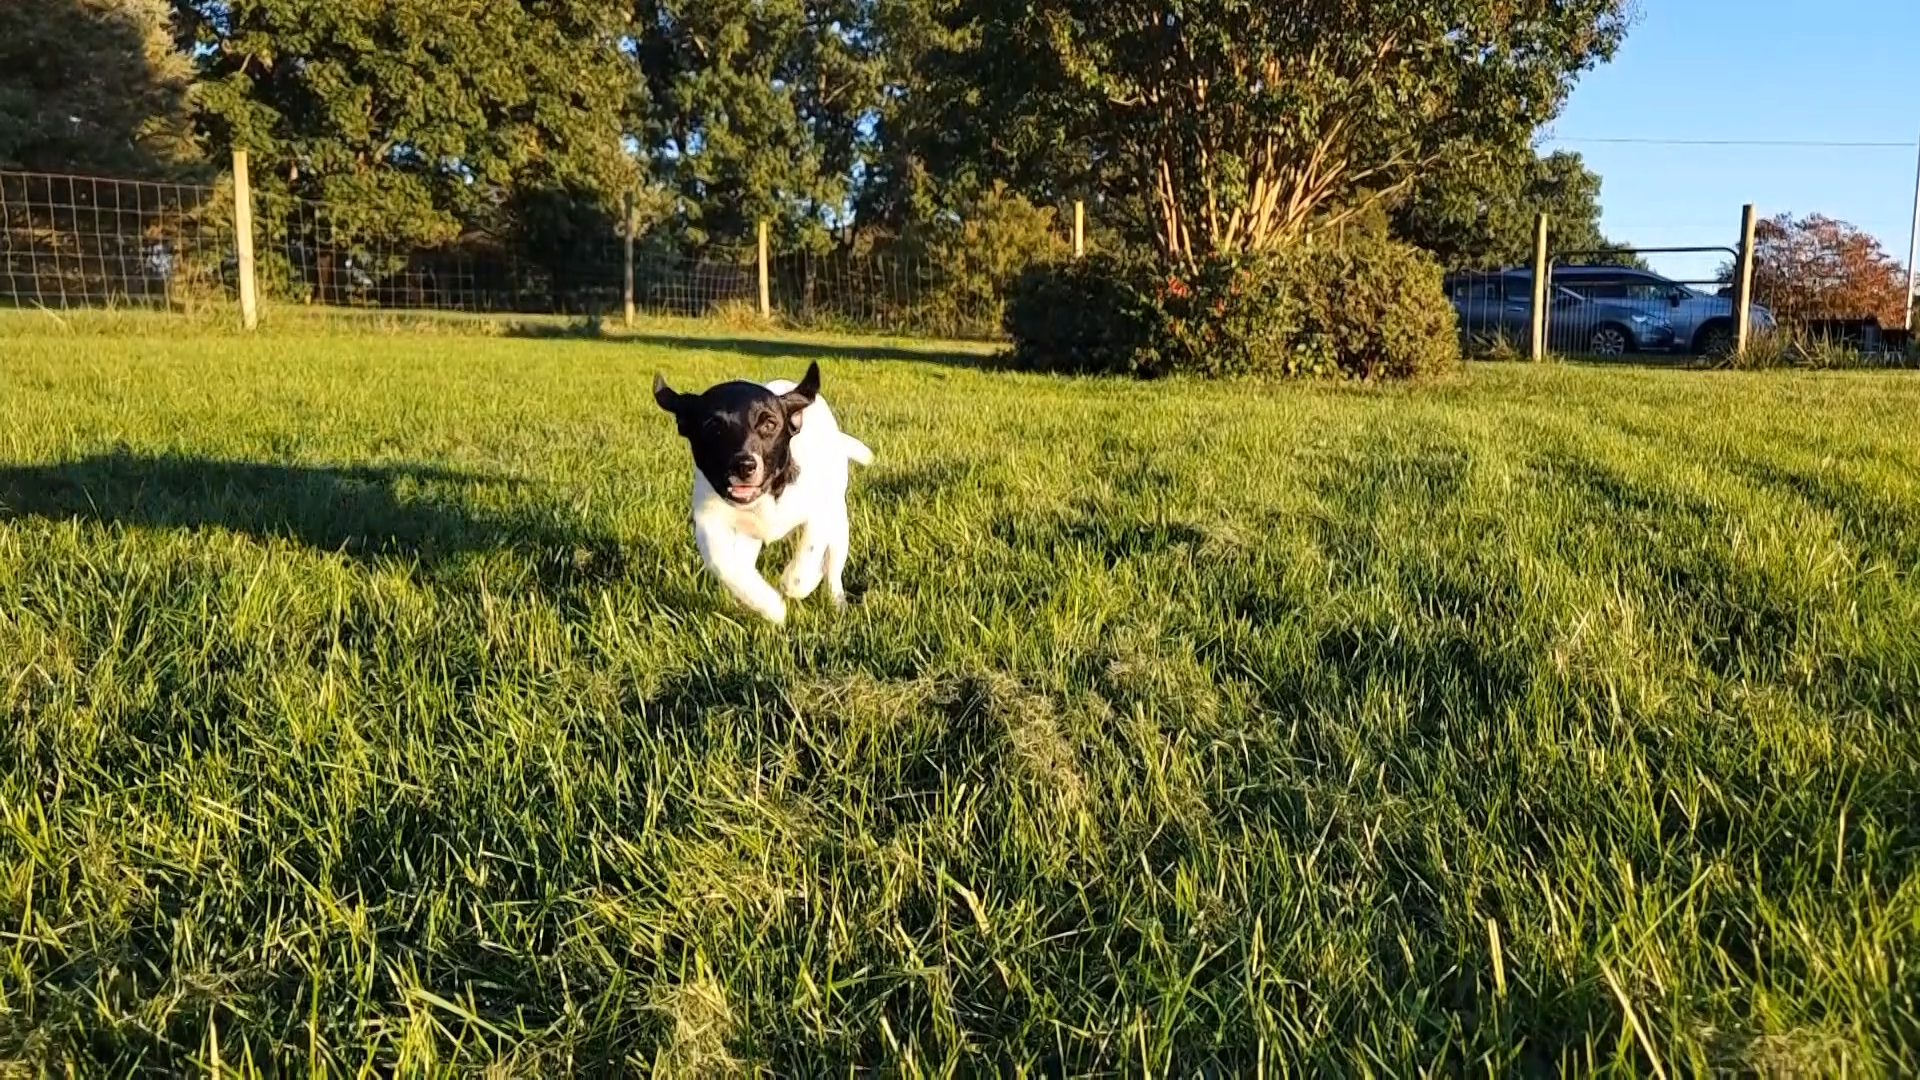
{"points": [[767, 460]]}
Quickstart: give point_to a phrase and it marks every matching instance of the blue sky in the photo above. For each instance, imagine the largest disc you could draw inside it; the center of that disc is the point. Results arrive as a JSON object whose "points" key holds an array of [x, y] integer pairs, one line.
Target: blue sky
{"points": [[1837, 71]]}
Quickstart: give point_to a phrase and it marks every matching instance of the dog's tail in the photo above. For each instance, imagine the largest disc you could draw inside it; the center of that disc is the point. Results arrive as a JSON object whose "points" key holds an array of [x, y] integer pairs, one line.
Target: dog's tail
{"points": [[857, 451]]}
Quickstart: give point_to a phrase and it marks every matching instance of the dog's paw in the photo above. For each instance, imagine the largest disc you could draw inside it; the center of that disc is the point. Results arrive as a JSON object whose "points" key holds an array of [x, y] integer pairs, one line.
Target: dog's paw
{"points": [[770, 608], [803, 574], [798, 585]]}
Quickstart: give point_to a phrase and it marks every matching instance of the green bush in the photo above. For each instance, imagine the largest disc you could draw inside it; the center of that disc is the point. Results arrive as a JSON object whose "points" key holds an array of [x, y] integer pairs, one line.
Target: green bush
{"points": [[1378, 310], [954, 271], [977, 257], [1372, 309], [1241, 316], [1094, 316]]}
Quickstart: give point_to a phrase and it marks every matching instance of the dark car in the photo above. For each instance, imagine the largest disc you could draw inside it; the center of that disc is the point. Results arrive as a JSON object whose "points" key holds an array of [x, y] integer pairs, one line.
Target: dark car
{"points": [[1500, 304]]}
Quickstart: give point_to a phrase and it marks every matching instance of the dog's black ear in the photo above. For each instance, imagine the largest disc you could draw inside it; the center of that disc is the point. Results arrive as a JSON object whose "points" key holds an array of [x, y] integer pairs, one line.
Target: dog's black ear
{"points": [[665, 395], [796, 400]]}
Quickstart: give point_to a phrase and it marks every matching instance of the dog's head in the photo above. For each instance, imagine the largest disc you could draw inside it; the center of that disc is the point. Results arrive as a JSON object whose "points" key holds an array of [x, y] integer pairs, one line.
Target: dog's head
{"points": [[741, 432]]}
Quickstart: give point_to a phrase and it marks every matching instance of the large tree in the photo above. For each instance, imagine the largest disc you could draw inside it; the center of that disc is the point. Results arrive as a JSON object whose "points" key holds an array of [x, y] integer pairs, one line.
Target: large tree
{"points": [[1241, 124], [1479, 213], [761, 110], [411, 120], [1816, 267], [910, 177], [93, 86]]}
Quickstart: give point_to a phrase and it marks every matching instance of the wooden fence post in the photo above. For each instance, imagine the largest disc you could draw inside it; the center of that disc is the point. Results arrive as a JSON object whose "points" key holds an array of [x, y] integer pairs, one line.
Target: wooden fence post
{"points": [[626, 284], [243, 240], [1743, 284], [1913, 254], [766, 293], [1538, 311], [1079, 228]]}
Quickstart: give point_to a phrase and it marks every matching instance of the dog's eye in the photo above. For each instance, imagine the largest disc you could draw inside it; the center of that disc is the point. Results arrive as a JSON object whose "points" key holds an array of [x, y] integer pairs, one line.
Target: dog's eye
{"points": [[714, 425], [768, 425]]}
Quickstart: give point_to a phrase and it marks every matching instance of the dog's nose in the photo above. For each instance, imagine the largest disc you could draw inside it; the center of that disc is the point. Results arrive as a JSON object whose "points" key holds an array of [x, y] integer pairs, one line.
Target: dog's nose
{"points": [[744, 468]]}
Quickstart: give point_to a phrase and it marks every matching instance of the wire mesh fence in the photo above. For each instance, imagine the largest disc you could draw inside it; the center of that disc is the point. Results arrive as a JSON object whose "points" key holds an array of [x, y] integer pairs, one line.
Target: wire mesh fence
{"points": [[308, 253], [73, 242], [1615, 310], [82, 241], [1826, 303], [1494, 311], [1604, 305], [69, 241], [901, 294]]}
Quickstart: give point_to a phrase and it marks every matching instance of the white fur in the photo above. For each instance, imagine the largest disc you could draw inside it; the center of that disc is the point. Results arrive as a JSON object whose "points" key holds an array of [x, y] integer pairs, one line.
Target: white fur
{"points": [[730, 537]]}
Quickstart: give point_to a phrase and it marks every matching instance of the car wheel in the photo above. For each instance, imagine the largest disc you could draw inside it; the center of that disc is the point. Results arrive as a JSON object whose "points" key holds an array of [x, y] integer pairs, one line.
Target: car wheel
{"points": [[1715, 339], [1609, 340]]}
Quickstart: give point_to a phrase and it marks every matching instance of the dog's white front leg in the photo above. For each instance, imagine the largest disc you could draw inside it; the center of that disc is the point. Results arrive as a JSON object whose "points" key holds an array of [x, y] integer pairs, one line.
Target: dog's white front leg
{"points": [[734, 560], [836, 566], [809, 561], [836, 538]]}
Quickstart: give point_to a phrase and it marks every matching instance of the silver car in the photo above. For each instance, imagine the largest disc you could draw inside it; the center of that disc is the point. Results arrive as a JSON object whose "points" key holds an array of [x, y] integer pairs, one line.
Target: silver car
{"points": [[1500, 305], [1702, 323]]}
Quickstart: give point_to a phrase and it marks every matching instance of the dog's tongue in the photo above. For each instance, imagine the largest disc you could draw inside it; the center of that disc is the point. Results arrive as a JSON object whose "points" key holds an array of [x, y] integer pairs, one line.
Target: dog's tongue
{"points": [[741, 491]]}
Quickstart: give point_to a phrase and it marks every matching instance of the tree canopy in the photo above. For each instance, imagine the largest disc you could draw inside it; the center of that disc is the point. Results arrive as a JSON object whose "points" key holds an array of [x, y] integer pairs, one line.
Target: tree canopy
{"points": [[1816, 267], [1479, 213], [760, 110], [412, 120], [94, 86], [1241, 124], [1189, 128]]}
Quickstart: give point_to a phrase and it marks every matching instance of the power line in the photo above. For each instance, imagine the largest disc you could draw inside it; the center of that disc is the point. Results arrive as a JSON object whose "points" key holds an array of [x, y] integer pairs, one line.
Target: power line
{"points": [[1810, 143], [1688, 226]]}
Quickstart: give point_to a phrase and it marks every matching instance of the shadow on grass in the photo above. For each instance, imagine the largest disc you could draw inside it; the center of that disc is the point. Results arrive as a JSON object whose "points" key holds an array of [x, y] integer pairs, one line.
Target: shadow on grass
{"points": [[740, 345], [411, 512], [1638, 362], [1096, 530]]}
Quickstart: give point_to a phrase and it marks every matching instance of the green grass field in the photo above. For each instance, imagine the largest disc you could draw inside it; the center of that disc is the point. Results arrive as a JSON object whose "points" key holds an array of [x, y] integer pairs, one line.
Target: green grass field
{"points": [[362, 707]]}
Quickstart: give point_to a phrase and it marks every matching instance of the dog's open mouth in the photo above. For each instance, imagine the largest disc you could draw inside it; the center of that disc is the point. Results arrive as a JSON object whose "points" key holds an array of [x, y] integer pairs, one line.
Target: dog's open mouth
{"points": [[743, 493]]}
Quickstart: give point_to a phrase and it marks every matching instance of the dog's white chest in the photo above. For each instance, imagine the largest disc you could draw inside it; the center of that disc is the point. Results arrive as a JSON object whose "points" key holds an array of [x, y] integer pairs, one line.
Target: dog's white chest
{"points": [[767, 520]]}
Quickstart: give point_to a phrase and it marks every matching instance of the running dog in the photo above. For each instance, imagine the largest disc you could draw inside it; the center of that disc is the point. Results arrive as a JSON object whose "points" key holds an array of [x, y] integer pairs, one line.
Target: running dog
{"points": [[768, 459]]}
